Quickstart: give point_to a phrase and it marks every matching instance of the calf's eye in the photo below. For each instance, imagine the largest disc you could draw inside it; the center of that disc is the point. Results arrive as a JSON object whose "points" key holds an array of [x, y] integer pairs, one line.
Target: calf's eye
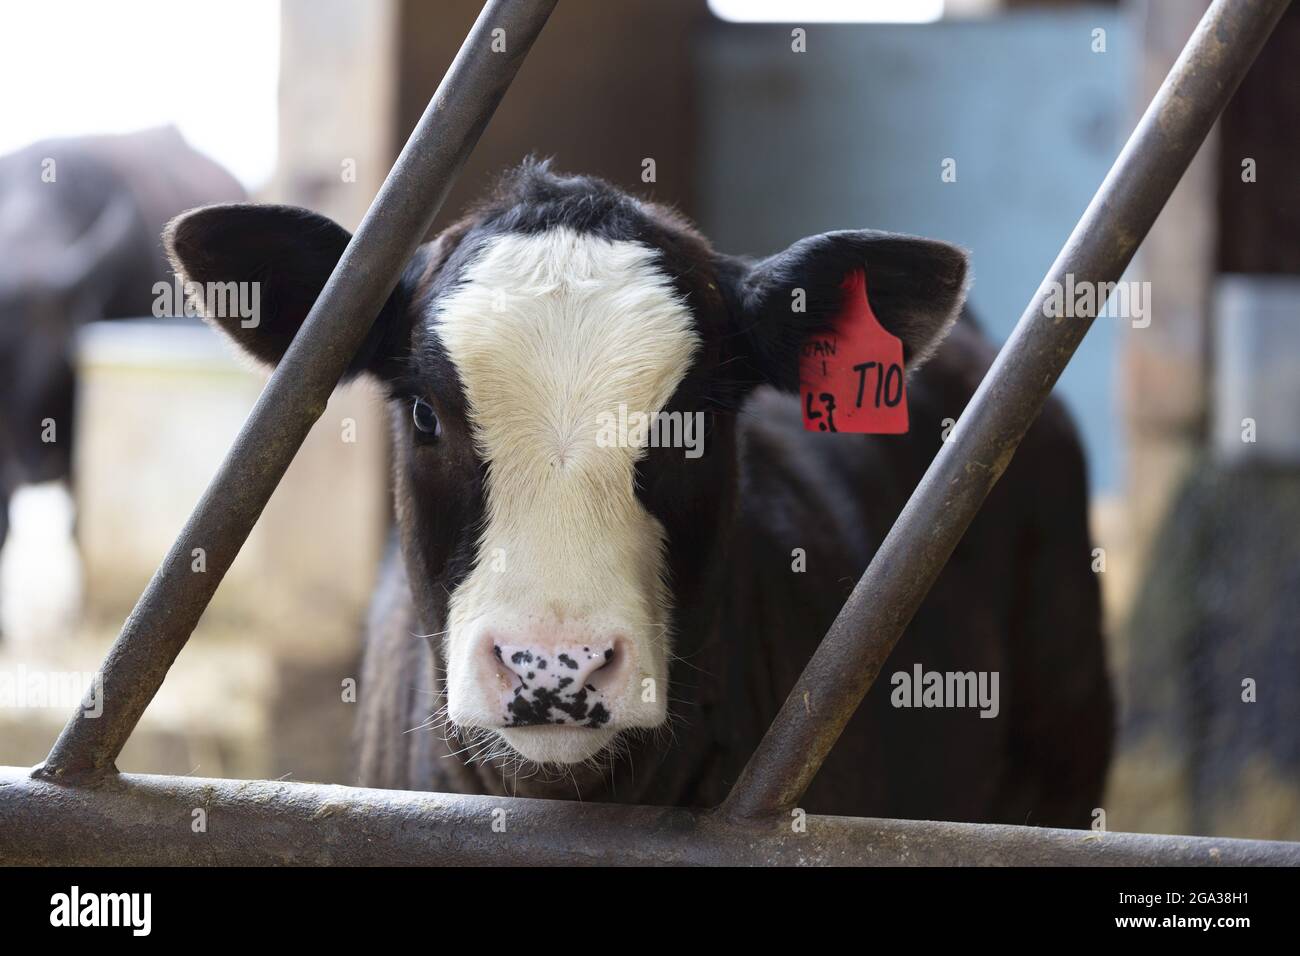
{"points": [[426, 421]]}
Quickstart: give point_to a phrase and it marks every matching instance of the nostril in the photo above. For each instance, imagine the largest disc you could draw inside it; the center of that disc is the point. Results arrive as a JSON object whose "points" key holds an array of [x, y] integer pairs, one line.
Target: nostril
{"points": [[518, 663], [608, 665]]}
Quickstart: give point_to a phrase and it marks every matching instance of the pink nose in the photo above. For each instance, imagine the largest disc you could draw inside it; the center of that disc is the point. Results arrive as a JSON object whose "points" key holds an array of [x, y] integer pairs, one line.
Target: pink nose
{"points": [[560, 684]]}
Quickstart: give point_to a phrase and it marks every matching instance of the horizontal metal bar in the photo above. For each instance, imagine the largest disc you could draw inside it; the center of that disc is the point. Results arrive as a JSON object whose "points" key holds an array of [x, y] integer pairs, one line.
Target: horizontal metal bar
{"points": [[295, 397], [946, 500], [153, 820]]}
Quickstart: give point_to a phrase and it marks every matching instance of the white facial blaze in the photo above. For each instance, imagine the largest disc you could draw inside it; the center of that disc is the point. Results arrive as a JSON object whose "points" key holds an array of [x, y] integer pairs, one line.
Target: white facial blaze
{"points": [[549, 332]]}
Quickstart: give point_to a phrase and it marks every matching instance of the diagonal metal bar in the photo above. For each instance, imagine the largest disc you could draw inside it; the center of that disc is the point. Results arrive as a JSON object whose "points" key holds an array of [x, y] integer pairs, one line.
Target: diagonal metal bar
{"points": [[295, 397], [114, 820], [909, 560]]}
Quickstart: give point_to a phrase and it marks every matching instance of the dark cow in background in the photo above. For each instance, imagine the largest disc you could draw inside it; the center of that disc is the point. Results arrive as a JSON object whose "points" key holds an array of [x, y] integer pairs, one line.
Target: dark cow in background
{"points": [[80, 225], [571, 618]]}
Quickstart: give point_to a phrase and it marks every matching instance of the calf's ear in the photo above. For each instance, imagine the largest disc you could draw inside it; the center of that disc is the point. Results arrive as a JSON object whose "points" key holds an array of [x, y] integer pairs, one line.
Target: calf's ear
{"points": [[289, 253], [916, 288]]}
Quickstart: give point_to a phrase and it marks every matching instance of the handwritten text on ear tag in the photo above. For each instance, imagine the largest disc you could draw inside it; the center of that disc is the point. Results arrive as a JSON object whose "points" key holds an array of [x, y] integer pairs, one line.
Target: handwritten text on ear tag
{"points": [[852, 379]]}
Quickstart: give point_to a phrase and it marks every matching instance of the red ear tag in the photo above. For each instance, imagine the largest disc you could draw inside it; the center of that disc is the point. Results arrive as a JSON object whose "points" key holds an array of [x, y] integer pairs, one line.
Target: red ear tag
{"points": [[852, 379]]}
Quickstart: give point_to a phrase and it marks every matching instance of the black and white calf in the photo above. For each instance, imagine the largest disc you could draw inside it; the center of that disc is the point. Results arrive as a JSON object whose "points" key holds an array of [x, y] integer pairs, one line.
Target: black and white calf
{"points": [[564, 598]]}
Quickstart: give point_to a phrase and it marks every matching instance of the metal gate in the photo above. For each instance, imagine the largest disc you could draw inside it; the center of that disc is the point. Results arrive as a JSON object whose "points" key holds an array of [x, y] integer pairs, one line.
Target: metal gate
{"points": [[77, 809]]}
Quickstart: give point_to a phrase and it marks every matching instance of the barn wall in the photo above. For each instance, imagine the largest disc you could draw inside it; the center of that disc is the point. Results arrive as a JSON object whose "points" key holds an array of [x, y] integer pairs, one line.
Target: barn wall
{"points": [[608, 86]]}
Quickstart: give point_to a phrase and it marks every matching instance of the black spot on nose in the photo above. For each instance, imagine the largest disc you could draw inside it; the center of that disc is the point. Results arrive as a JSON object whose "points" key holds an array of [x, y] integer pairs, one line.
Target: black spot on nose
{"points": [[598, 716], [563, 694]]}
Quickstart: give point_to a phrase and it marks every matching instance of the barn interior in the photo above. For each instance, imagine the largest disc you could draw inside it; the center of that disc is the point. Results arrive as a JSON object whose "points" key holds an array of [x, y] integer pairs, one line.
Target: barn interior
{"points": [[989, 123]]}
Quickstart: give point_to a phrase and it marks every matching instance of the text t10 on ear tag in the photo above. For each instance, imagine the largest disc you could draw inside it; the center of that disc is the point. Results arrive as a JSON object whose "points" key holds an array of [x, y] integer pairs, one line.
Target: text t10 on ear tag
{"points": [[852, 380]]}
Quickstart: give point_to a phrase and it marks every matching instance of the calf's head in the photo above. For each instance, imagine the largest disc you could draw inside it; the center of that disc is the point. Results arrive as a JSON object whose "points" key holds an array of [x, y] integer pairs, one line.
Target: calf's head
{"points": [[552, 543]]}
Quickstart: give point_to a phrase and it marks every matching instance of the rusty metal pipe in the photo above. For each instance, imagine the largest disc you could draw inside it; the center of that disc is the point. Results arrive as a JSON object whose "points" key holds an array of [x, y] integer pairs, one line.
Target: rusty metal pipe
{"points": [[116, 819], [947, 498], [295, 396]]}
